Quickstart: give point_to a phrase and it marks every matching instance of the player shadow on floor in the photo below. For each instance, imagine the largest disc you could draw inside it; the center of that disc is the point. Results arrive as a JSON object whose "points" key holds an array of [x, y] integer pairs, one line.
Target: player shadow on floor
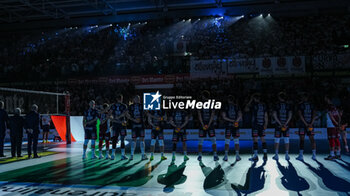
{"points": [[174, 176], [138, 178], [214, 178], [330, 180], [93, 177], [291, 180], [255, 180], [343, 164]]}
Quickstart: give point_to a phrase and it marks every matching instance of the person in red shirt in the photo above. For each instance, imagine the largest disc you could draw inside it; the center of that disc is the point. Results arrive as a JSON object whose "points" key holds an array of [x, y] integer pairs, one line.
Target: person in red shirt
{"points": [[333, 127]]}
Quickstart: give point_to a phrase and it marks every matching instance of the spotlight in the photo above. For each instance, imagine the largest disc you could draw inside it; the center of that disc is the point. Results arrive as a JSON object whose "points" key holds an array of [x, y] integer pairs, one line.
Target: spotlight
{"points": [[189, 19], [139, 23], [199, 19], [96, 26], [261, 15], [183, 20], [269, 14], [110, 25], [145, 22], [242, 16], [129, 24]]}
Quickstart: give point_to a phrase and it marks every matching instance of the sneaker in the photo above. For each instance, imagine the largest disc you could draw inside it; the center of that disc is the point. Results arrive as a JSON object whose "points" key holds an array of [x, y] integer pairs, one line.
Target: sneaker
{"points": [[100, 157], [36, 156], [131, 157], [225, 158], [300, 157], [287, 157], [112, 157], [107, 156], [238, 158], [254, 158], [173, 158], [93, 156], [330, 158], [151, 158], [265, 157], [216, 158], [199, 158], [163, 158], [275, 157], [338, 157], [186, 158], [144, 157], [84, 157], [124, 158]]}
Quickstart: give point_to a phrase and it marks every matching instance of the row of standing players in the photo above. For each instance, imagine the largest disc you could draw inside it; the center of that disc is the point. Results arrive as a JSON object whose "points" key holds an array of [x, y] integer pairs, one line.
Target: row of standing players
{"points": [[119, 113]]}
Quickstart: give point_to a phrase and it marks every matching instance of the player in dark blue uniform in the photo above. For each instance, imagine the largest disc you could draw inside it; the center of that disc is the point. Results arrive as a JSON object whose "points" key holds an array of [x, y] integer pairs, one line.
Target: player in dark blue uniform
{"points": [[232, 114], [307, 114], [104, 131], [90, 122], [157, 119], [179, 120], [282, 114], [259, 124], [135, 114], [118, 111], [206, 119]]}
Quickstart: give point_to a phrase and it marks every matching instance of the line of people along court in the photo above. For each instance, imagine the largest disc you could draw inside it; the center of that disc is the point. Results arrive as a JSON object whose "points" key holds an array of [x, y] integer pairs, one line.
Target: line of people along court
{"points": [[114, 119]]}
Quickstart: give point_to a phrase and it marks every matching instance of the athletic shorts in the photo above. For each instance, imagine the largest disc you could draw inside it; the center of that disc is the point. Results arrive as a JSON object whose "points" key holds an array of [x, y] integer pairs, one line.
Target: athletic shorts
{"points": [[258, 131], [137, 132], [279, 133], [333, 133], [180, 136], [118, 131], [232, 131], [46, 128], [209, 132], [157, 134], [90, 133], [306, 131]]}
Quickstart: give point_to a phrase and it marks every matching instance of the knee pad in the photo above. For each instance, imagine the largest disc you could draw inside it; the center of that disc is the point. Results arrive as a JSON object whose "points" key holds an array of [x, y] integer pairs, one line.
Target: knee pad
{"points": [[161, 142], [286, 140], [227, 141], [213, 140], [236, 140], [200, 141], [153, 142], [277, 140]]}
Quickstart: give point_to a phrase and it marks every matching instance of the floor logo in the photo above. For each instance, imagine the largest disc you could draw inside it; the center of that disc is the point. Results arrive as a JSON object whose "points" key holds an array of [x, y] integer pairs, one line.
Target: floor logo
{"points": [[151, 101]]}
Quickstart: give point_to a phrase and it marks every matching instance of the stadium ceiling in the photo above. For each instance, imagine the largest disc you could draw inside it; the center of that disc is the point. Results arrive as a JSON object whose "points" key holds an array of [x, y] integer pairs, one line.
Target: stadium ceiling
{"points": [[24, 11]]}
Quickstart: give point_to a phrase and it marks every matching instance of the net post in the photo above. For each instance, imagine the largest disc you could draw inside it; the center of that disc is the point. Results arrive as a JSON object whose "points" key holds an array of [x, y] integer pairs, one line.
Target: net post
{"points": [[67, 105]]}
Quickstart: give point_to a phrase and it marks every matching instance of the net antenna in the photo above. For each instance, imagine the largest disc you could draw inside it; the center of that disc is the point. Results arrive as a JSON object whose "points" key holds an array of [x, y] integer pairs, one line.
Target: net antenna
{"points": [[66, 96]]}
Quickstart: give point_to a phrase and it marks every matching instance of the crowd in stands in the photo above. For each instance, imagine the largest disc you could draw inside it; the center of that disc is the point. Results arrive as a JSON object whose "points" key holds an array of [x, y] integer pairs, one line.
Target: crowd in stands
{"points": [[154, 49]]}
